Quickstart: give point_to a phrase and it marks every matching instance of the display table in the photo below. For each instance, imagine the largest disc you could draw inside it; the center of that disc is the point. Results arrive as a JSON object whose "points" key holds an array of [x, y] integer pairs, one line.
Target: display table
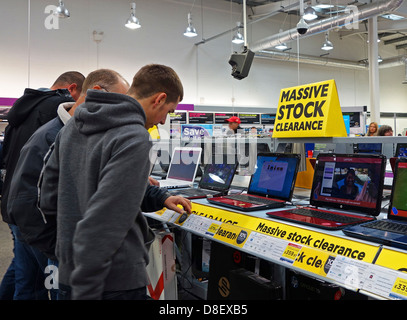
{"points": [[365, 267]]}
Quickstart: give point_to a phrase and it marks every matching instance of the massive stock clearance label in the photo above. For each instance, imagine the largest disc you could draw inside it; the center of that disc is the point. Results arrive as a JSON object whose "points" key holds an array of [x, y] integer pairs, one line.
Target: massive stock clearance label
{"points": [[301, 236], [310, 110]]}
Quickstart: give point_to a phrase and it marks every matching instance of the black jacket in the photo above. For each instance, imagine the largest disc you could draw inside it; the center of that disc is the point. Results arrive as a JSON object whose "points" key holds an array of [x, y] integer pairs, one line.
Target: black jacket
{"points": [[29, 112]]}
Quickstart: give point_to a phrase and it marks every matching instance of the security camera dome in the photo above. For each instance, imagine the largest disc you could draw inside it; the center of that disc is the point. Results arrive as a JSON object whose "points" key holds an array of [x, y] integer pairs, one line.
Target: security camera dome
{"points": [[302, 26]]}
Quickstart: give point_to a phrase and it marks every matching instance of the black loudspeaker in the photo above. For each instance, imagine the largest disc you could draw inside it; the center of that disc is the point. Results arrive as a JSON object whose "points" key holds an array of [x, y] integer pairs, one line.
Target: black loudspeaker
{"points": [[241, 63]]}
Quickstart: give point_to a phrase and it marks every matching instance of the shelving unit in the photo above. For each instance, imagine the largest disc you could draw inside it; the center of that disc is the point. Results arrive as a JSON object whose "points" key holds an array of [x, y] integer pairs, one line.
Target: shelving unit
{"points": [[368, 268]]}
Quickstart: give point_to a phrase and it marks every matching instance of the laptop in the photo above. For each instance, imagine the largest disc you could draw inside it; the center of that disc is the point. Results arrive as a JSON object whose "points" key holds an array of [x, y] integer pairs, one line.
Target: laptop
{"points": [[271, 184], [349, 182], [393, 230], [183, 167], [215, 181], [401, 150]]}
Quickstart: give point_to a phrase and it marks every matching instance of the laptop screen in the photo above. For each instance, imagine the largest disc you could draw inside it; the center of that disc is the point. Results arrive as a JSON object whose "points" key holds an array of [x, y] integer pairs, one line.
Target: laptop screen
{"points": [[353, 182], [398, 204], [217, 176], [184, 163], [401, 150], [274, 175]]}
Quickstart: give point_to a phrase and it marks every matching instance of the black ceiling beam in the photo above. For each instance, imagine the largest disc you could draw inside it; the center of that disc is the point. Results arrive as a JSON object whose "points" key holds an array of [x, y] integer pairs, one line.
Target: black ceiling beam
{"points": [[395, 40]]}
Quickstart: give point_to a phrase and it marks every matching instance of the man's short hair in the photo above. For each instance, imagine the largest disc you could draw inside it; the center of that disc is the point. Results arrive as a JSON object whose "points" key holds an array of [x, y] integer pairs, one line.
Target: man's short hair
{"points": [[154, 78], [70, 77], [107, 79]]}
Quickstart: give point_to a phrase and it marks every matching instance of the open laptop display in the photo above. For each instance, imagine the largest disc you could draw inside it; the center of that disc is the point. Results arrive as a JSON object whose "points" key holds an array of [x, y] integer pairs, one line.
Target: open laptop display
{"points": [[393, 230], [215, 181], [183, 168], [351, 182], [401, 150], [271, 185]]}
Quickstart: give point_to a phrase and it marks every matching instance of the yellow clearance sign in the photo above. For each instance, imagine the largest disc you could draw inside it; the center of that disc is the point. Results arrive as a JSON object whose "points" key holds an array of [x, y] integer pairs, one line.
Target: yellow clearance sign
{"points": [[392, 259], [310, 110], [154, 133], [331, 244]]}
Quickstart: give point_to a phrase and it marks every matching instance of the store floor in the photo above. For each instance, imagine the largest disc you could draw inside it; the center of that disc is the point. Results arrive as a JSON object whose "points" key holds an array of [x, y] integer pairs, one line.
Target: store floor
{"points": [[6, 248]]}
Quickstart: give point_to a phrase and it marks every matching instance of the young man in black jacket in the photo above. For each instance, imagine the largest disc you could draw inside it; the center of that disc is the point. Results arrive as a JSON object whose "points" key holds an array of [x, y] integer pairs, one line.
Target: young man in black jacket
{"points": [[23, 280]]}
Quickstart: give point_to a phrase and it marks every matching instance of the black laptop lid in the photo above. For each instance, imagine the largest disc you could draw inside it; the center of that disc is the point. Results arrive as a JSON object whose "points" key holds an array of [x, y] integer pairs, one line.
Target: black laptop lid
{"points": [[274, 175], [398, 199], [349, 181], [217, 176]]}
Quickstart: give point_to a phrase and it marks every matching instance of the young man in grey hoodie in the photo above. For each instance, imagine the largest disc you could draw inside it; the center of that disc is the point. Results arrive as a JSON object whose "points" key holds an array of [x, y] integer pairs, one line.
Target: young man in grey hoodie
{"points": [[95, 182]]}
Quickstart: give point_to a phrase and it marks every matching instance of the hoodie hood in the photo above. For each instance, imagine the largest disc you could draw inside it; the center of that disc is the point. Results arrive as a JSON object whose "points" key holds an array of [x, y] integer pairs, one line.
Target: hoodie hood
{"points": [[102, 111], [22, 108]]}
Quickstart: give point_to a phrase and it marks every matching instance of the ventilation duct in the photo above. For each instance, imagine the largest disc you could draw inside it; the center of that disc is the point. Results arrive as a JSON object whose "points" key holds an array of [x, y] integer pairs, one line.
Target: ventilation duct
{"points": [[353, 15], [329, 62], [308, 59]]}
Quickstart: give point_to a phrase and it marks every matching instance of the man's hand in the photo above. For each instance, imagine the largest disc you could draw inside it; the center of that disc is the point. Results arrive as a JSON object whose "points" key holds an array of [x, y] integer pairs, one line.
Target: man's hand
{"points": [[153, 182], [172, 203]]}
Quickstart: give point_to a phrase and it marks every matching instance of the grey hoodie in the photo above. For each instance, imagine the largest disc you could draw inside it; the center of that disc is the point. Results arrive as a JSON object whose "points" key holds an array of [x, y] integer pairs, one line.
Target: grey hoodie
{"points": [[96, 180]]}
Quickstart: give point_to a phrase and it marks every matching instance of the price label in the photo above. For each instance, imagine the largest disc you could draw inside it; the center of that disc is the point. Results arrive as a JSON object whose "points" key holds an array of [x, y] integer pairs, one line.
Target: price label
{"points": [[212, 229], [400, 287], [290, 252]]}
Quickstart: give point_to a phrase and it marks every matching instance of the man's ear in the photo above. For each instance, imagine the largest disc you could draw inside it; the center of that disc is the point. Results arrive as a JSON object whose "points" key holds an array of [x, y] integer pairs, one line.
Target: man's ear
{"points": [[72, 87], [160, 99]]}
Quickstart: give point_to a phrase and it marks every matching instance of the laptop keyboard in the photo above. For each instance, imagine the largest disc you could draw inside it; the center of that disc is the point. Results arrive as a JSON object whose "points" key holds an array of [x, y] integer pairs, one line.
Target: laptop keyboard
{"points": [[250, 199], [193, 192], [308, 212], [388, 226], [190, 191]]}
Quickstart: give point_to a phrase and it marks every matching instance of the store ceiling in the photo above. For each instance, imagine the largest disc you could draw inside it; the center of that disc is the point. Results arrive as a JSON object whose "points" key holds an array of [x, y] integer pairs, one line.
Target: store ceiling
{"points": [[391, 32]]}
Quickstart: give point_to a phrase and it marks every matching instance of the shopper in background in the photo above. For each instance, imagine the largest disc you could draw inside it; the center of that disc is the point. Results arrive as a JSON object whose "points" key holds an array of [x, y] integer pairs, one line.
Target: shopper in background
{"points": [[103, 238], [23, 280], [385, 130], [372, 131], [234, 124]]}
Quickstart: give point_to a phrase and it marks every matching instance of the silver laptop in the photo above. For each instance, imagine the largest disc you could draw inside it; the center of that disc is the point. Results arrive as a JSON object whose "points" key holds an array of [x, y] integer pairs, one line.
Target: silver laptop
{"points": [[183, 168]]}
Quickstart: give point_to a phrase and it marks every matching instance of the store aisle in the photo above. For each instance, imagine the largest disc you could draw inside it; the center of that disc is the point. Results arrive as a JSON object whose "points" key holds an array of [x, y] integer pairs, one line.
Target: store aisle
{"points": [[6, 248]]}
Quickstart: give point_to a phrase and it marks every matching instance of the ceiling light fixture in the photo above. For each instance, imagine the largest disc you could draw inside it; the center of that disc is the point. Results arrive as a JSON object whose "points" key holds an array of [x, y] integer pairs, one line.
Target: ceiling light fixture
{"points": [[61, 11], [327, 44], [190, 30], [281, 45], [132, 22], [323, 6], [392, 16], [238, 38], [309, 14]]}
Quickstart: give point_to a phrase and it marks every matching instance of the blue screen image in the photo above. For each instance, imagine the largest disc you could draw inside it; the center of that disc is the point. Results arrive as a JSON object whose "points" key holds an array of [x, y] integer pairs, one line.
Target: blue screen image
{"points": [[274, 176]]}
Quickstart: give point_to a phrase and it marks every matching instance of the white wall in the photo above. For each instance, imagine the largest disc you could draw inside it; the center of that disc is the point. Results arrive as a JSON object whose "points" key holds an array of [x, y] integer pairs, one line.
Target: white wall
{"points": [[204, 69]]}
